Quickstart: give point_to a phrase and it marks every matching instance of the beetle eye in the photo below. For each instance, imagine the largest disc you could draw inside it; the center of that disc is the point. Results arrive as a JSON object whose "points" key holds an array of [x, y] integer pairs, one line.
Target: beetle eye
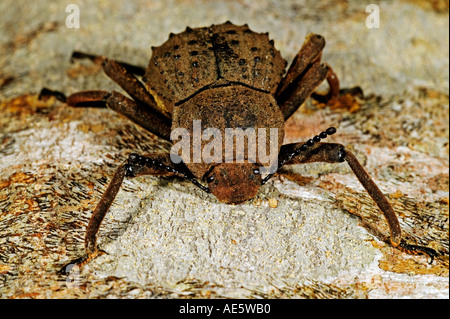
{"points": [[210, 179], [256, 171]]}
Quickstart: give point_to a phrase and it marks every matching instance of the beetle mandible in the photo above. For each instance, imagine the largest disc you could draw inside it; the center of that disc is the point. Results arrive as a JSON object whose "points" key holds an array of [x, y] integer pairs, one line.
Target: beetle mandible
{"points": [[225, 76]]}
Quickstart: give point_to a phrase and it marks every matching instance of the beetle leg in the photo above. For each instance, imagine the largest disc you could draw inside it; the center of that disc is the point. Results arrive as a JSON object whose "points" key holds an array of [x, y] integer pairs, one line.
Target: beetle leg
{"points": [[310, 52], [294, 95], [312, 151], [305, 74], [143, 111], [98, 59], [127, 81], [138, 113], [158, 164], [333, 91], [124, 75], [135, 111], [289, 152]]}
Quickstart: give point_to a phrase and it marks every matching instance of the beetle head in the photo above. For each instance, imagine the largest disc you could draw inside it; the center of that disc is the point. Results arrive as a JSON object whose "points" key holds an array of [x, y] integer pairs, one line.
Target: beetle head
{"points": [[234, 183]]}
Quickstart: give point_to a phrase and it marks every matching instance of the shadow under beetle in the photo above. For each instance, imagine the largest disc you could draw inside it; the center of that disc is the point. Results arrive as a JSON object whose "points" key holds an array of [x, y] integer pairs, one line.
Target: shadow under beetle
{"points": [[226, 76]]}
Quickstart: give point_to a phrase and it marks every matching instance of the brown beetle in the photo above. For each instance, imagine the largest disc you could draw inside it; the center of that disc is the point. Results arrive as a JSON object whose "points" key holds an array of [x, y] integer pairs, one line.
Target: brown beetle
{"points": [[223, 76]]}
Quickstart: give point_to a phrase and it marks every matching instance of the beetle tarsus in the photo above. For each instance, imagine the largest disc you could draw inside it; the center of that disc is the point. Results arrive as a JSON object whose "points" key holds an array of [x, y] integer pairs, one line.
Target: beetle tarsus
{"points": [[45, 94], [286, 157], [418, 250], [80, 262], [334, 87]]}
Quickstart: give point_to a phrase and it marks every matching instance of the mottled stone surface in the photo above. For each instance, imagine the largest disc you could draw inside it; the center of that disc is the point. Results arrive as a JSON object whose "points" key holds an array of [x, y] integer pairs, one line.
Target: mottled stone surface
{"points": [[312, 232]]}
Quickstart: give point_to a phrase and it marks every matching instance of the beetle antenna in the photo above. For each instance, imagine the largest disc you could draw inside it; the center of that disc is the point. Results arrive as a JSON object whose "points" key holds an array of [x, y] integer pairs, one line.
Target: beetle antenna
{"points": [[179, 169], [284, 158], [186, 174], [194, 181]]}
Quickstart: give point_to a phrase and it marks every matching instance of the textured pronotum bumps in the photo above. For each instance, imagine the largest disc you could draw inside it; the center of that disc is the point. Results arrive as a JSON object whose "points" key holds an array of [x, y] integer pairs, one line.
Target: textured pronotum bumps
{"points": [[195, 59]]}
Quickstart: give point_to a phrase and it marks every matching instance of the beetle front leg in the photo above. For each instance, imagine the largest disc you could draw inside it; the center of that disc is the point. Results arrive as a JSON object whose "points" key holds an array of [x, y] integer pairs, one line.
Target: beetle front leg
{"points": [[154, 164], [336, 153], [135, 111]]}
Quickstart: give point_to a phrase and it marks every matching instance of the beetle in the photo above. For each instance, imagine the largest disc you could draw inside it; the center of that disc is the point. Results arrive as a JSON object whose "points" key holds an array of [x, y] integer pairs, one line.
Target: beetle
{"points": [[225, 76]]}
